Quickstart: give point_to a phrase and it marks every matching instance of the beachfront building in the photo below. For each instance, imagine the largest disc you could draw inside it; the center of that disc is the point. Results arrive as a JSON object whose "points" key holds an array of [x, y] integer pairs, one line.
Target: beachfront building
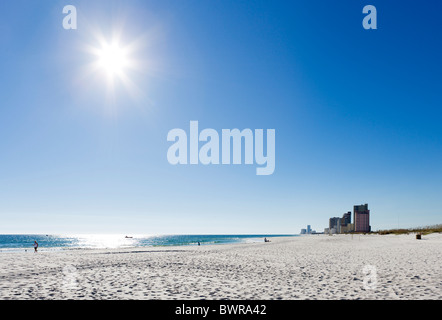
{"points": [[309, 229], [361, 218], [346, 218], [348, 228], [346, 225], [334, 224], [303, 231], [361, 221]]}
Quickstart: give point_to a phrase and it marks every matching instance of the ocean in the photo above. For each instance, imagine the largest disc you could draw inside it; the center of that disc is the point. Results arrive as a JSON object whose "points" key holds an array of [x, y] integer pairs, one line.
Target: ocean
{"points": [[9, 243]]}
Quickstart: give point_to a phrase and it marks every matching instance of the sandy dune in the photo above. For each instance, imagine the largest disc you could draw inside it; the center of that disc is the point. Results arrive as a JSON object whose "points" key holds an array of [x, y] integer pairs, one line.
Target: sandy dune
{"points": [[308, 267]]}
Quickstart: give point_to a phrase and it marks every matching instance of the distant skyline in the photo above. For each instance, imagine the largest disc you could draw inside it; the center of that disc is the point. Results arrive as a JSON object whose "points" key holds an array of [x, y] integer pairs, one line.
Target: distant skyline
{"points": [[83, 148]]}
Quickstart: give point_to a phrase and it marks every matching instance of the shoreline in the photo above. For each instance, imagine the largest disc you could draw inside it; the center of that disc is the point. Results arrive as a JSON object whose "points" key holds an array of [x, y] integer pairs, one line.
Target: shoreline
{"points": [[62, 249], [245, 240]]}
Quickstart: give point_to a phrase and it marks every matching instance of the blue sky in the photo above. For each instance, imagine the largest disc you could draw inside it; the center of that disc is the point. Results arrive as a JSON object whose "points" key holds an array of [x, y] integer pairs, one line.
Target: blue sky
{"points": [[357, 115]]}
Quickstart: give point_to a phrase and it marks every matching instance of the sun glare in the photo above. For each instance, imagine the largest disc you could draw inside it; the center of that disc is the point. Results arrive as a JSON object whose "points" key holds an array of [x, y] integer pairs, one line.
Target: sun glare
{"points": [[115, 67], [112, 59]]}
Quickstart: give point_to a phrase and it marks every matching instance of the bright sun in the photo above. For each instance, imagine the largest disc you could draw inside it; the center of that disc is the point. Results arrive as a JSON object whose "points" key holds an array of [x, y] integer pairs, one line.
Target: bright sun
{"points": [[114, 65], [113, 59]]}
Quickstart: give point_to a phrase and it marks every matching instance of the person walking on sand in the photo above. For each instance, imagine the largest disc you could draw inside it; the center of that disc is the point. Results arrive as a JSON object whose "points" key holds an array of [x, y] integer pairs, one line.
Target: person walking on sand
{"points": [[35, 246]]}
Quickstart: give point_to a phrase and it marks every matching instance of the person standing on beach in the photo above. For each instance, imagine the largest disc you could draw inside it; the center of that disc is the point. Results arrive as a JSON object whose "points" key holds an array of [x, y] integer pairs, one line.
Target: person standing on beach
{"points": [[35, 246]]}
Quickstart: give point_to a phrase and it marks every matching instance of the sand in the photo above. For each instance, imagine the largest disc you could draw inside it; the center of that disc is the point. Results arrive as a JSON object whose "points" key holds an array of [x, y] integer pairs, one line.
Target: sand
{"points": [[305, 267]]}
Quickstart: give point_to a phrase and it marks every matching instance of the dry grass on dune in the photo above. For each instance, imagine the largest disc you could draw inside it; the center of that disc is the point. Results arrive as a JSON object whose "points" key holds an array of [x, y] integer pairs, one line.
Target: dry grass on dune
{"points": [[423, 230]]}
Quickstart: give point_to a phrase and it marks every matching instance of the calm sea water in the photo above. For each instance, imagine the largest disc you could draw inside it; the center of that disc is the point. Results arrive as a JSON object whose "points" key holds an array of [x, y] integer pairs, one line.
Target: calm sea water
{"points": [[56, 242]]}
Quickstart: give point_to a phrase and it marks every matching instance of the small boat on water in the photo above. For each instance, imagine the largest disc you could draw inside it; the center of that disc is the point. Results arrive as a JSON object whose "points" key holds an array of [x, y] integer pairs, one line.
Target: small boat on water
{"points": [[128, 237]]}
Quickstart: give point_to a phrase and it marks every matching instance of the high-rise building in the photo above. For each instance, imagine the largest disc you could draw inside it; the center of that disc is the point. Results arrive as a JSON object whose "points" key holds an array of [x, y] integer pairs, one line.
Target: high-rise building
{"points": [[332, 222], [361, 218], [346, 225], [303, 231], [346, 218], [309, 229], [335, 223]]}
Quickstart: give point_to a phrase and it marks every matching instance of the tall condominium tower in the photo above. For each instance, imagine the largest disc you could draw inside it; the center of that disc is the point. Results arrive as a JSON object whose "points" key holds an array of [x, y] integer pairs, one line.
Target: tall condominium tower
{"points": [[361, 218], [334, 224], [346, 218]]}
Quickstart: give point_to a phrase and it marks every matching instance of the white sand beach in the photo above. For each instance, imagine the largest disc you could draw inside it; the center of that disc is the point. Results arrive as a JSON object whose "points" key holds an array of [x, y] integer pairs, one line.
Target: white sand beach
{"points": [[306, 267]]}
